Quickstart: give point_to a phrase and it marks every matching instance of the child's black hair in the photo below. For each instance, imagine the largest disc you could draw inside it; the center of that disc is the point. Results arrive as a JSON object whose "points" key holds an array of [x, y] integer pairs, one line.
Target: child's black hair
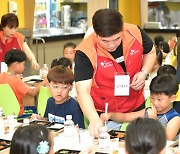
{"points": [[158, 39], [164, 46], [62, 61], [70, 44], [166, 69], [164, 84], [26, 139], [14, 55], [145, 136]]}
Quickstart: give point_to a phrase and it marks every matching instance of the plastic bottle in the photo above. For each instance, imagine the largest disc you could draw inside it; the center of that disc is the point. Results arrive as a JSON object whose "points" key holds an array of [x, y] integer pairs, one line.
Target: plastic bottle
{"points": [[104, 140], [44, 71], [69, 127]]}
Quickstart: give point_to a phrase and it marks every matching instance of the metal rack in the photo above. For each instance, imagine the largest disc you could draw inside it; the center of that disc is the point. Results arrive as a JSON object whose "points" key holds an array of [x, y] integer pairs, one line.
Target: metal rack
{"points": [[44, 53]]}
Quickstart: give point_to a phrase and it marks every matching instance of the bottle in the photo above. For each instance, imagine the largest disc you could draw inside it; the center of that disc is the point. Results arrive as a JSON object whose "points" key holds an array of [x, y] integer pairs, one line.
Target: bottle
{"points": [[69, 127], [104, 140], [44, 71]]}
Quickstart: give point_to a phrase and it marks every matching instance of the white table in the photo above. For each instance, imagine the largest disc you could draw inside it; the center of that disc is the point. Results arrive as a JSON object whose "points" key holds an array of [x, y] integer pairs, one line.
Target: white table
{"points": [[87, 144]]}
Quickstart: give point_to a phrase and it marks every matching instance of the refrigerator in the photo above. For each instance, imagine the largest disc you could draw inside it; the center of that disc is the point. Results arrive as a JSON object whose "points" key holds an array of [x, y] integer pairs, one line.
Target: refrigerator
{"points": [[46, 14]]}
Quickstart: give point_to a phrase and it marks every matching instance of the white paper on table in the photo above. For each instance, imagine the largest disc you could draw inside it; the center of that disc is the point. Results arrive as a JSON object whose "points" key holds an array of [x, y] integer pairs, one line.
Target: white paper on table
{"points": [[57, 126]]}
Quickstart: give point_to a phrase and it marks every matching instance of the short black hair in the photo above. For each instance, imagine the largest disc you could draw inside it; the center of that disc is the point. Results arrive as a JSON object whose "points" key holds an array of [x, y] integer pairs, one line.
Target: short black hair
{"points": [[62, 61], [164, 46], [107, 22], [70, 44], [164, 84], [26, 139], [158, 39], [166, 69], [10, 20], [14, 55], [145, 136]]}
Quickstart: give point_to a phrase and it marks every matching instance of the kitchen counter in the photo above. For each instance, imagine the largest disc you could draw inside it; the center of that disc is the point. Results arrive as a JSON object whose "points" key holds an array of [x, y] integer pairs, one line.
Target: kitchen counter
{"points": [[60, 37], [58, 33]]}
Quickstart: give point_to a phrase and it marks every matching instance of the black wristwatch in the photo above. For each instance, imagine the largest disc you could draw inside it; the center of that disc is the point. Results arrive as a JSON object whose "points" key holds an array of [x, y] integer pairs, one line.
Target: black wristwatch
{"points": [[145, 73]]}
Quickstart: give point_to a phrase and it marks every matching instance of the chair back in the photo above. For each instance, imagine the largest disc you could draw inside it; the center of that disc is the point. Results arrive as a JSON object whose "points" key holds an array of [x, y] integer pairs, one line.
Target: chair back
{"points": [[44, 94], [86, 122], [8, 100]]}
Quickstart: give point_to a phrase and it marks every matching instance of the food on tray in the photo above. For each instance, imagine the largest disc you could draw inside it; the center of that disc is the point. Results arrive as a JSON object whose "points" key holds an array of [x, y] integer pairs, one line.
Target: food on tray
{"points": [[4, 144], [1, 147], [117, 134], [115, 152], [40, 122]]}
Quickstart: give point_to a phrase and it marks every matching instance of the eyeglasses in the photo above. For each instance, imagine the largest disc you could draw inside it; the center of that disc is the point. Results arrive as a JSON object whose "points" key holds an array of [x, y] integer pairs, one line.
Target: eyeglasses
{"points": [[56, 87]]}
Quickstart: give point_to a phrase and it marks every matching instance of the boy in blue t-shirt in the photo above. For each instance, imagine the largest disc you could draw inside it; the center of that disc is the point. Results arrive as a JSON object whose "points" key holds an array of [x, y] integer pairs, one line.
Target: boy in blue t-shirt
{"points": [[163, 90], [61, 104]]}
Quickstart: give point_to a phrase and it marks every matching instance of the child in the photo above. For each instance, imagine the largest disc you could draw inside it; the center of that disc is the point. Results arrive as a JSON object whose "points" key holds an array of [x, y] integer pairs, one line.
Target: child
{"points": [[30, 139], [165, 48], [163, 89], [169, 69], [61, 104], [158, 39], [67, 63], [15, 60], [145, 136], [69, 53]]}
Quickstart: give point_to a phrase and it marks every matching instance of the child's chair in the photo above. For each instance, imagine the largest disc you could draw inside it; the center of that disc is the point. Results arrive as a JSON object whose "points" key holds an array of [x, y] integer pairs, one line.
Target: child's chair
{"points": [[8, 100], [86, 122], [44, 94]]}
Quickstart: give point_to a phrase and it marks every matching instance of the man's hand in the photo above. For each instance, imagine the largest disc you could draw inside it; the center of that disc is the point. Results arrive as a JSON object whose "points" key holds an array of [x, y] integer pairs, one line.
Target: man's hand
{"points": [[138, 81], [105, 117], [95, 127]]}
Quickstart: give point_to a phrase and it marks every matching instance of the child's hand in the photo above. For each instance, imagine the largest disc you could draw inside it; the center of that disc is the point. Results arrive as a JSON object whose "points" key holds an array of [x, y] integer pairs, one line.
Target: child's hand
{"points": [[152, 112], [45, 82], [105, 117]]}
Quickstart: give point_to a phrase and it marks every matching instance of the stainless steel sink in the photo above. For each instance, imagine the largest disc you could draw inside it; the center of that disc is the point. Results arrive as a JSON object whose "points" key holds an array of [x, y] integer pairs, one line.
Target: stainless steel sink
{"points": [[56, 31]]}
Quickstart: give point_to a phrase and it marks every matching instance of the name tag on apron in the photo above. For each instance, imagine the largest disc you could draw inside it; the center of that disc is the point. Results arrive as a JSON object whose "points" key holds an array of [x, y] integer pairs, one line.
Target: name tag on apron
{"points": [[121, 84]]}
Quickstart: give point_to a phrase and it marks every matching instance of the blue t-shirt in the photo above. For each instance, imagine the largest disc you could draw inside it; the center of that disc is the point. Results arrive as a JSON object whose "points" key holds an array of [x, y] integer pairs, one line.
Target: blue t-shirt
{"points": [[166, 117], [57, 112]]}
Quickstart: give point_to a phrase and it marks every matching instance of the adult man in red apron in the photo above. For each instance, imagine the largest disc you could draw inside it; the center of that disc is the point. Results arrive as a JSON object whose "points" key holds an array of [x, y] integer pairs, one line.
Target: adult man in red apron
{"points": [[111, 66]]}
